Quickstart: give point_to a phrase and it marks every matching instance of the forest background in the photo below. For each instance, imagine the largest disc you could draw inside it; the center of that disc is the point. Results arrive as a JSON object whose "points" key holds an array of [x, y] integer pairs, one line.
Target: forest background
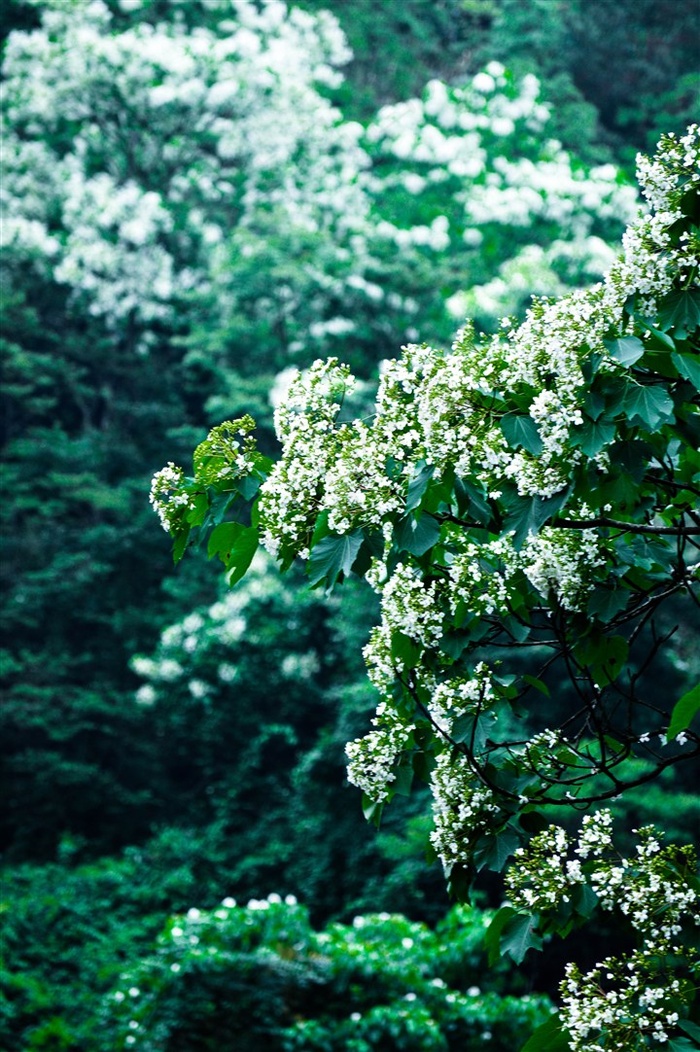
{"points": [[199, 196]]}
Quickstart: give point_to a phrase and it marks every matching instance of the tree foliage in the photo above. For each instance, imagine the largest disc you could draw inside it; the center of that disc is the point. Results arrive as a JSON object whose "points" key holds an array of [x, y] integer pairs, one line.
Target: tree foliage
{"points": [[521, 505]]}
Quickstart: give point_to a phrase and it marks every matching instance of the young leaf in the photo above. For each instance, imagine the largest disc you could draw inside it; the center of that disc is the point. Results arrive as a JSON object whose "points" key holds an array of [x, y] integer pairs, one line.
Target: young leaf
{"points": [[241, 554]]}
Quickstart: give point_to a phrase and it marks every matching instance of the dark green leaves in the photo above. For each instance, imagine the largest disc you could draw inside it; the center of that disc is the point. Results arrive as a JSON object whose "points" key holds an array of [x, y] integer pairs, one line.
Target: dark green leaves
{"points": [[512, 933], [688, 365], [648, 406], [332, 556], [526, 515], [235, 545], [625, 349], [680, 311], [416, 534], [549, 1037], [521, 431], [418, 484]]}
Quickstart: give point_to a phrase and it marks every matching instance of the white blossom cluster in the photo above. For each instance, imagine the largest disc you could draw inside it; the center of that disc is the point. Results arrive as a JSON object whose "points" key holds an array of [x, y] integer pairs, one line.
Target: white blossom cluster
{"points": [[443, 410], [482, 151], [372, 759], [169, 496], [621, 997], [462, 808], [166, 136]]}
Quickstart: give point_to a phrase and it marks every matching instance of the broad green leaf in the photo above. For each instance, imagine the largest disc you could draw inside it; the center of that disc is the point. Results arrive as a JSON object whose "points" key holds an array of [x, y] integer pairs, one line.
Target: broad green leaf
{"points": [[650, 406], [518, 936], [522, 431], [332, 556], [584, 900], [372, 810], [241, 554], [222, 538], [180, 544], [690, 1028], [493, 851], [688, 365], [473, 501], [594, 435], [684, 712], [403, 778], [405, 650], [603, 656], [626, 349], [417, 534], [661, 337], [527, 515], [680, 311], [249, 486], [549, 1037], [682, 1044], [492, 938], [418, 484], [604, 602]]}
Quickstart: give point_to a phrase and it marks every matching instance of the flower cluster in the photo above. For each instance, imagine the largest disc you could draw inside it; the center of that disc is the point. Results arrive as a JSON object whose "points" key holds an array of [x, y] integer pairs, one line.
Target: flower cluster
{"points": [[169, 496], [623, 998], [462, 809]]}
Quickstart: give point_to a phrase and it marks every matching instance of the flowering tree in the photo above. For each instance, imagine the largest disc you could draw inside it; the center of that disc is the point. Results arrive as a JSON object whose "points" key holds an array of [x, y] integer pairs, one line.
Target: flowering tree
{"points": [[524, 505]]}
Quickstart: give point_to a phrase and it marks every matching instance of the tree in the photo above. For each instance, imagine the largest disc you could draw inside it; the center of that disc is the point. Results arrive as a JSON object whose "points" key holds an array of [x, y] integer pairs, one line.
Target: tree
{"points": [[187, 215], [523, 505]]}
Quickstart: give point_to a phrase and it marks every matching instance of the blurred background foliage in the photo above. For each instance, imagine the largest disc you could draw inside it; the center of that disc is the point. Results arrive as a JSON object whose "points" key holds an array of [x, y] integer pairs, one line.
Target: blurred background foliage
{"points": [[200, 196]]}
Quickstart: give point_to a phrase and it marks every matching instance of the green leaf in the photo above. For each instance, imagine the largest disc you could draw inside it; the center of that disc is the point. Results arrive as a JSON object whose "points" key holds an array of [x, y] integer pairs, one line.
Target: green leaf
{"points": [[532, 681], [594, 435], [403, 778], [493, 851], [680, 311], [661, 337], [626, 349], [682, 1044], [332, 556], [518, 936], [473, 501], [688, 365], [372, 810], [650, 406], [522, 431], [241, 554], [528, 514], [180, 544], [405, 650], [418, 484], [604, 656], [690, 1028], [684, 712], [549, 1037], [417, 535], [492, 938], [221, 539], [605, 603]]}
